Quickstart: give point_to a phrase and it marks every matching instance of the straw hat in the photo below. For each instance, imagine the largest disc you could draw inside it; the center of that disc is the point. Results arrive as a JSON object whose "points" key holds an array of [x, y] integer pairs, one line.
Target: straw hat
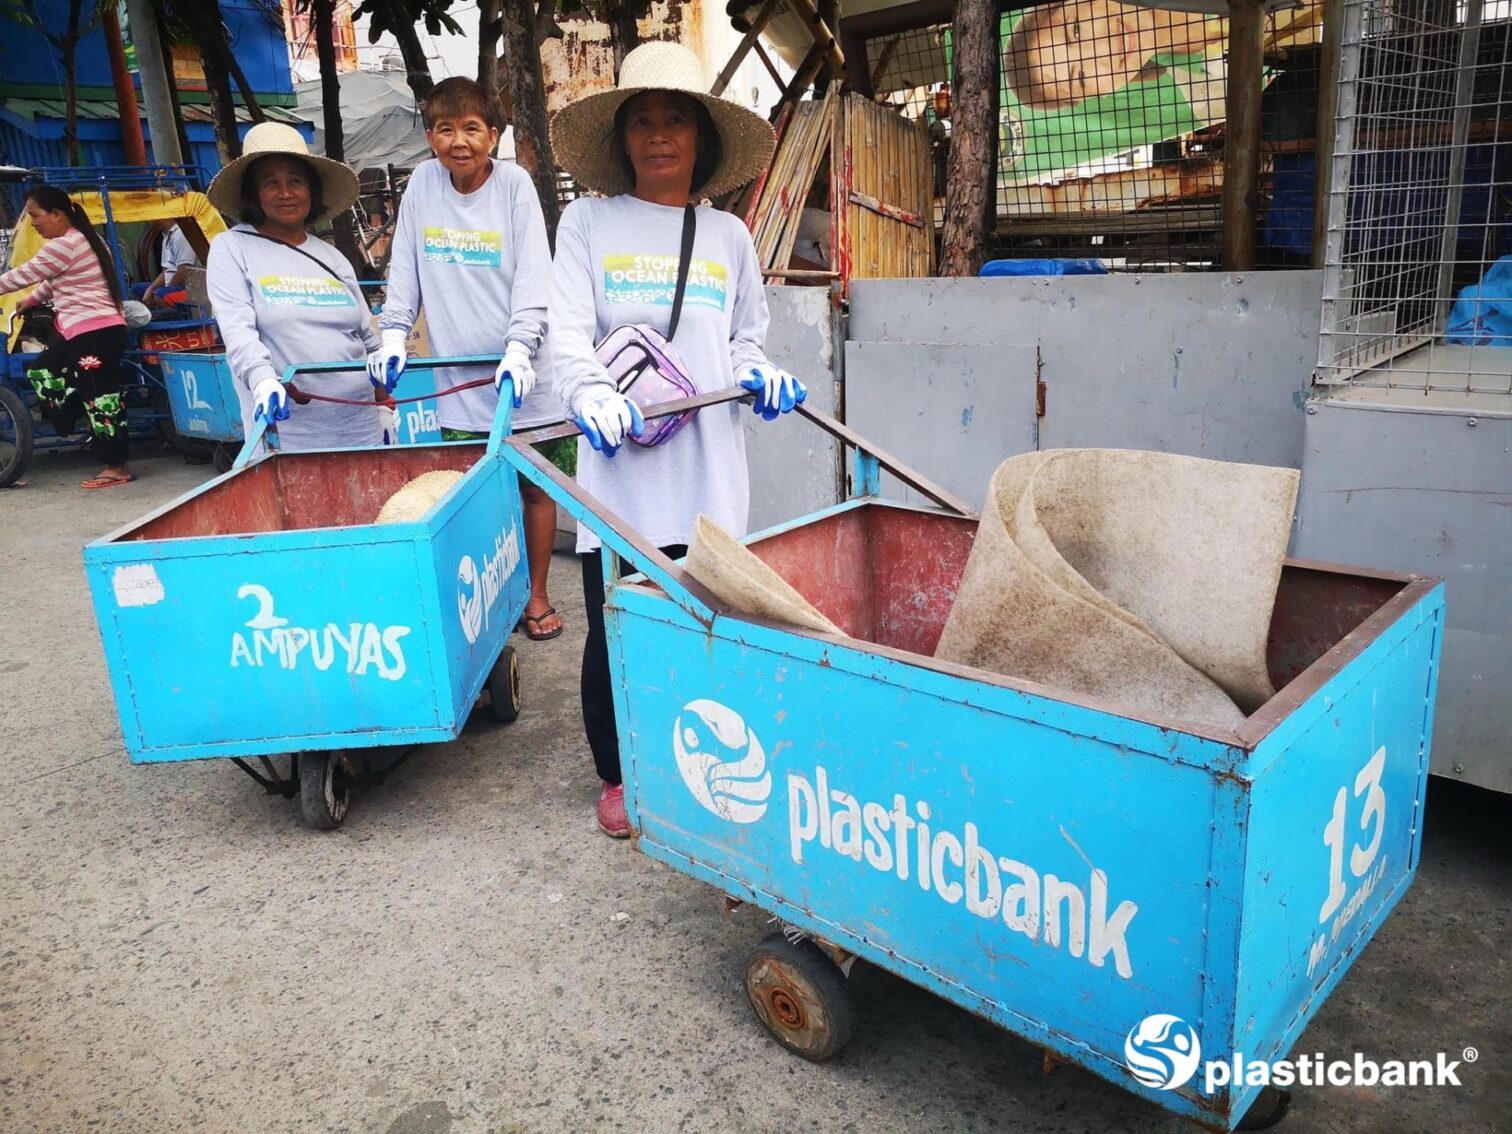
{"points": [[581, 133], [338, 184]]}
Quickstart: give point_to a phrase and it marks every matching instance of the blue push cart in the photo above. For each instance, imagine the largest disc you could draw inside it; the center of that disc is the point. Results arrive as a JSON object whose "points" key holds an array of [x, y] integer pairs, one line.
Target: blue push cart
{"points": [[1146, 898], [265, 613], [206, 406]]}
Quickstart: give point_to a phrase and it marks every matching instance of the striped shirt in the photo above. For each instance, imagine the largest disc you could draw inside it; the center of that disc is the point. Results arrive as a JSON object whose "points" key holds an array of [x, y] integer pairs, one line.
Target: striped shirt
{"points": [[67, 272]]}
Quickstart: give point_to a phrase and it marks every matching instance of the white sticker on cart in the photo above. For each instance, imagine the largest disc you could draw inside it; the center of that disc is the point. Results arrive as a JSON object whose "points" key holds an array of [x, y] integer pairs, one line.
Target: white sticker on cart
{"points": [[137, 584]]}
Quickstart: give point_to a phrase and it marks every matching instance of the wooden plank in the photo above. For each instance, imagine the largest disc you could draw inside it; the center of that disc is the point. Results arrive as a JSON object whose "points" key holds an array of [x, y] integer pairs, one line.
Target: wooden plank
{"points": [[748, 41], [767, 62], [839, 202], [808, 274], [1244, 83]]}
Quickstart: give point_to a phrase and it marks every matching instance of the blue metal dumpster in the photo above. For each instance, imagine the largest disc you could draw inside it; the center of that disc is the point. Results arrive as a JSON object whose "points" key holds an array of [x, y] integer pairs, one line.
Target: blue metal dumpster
{"points": [[266, 613], [1137, 896]]}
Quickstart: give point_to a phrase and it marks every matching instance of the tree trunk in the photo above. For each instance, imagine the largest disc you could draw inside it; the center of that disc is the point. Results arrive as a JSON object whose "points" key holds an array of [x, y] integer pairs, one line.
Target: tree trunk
{"points": [[249, 97], [322, 19], [70, 50], [971, 174], [489, 30], [416, 67], [222, 104], [71, 99], [624, 35], [546, 26], [165, 45], [205, 24], [527, 97]]}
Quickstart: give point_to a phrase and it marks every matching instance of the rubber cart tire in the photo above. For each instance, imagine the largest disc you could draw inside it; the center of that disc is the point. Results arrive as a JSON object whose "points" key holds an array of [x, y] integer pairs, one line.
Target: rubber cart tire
{"points": [[323, 790], [504, 687], [1270, 1107], [15, 454], [223, 456], [800, 995]]}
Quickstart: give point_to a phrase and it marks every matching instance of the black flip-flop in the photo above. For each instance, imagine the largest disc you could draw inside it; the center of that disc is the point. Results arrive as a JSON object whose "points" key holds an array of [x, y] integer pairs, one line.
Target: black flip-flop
{"points": [[536, 635]]}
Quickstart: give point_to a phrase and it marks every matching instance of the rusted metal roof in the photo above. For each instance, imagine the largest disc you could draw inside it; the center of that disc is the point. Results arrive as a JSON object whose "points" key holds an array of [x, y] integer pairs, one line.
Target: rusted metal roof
{"points": [[107, 110]]}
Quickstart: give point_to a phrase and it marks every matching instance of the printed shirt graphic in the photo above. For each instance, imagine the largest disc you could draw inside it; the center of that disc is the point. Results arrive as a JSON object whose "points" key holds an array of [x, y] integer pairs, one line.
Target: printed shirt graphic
{"points": [[277, 307], [303, 291], [616, 264], [652, 280], [480, 265], [470, 248]]}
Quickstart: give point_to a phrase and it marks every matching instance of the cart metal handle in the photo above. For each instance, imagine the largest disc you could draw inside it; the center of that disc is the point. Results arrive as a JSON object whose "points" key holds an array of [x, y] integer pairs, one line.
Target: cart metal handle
{"points": [[616, 535], [496, 434]]}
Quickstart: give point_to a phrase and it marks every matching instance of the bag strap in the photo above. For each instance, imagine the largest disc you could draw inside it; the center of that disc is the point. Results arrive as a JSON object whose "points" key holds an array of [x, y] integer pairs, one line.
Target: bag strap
{"points": [[324, 267], [684, 262]]}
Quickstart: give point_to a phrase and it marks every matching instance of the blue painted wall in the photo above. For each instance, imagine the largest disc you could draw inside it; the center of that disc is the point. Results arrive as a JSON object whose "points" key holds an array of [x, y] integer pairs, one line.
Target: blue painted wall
{"points": [[27, 59]]}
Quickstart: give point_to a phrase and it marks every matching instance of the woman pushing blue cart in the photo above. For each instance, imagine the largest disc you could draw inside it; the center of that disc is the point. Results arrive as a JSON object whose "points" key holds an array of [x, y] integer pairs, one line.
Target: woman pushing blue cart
{"points": [[1146, 898], [267, 613]]}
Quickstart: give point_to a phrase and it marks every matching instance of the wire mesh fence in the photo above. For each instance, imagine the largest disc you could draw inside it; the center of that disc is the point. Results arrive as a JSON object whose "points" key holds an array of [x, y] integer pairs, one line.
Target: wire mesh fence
{"points": [[1111, 130], [1415, 291], [1113, 134]]}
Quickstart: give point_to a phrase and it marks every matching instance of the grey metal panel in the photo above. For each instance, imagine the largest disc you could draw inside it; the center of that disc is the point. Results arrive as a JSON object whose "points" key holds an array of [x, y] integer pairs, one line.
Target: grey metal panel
{"points": [[1206, 364], [954, 412], [795, 466], [1393, 487]]}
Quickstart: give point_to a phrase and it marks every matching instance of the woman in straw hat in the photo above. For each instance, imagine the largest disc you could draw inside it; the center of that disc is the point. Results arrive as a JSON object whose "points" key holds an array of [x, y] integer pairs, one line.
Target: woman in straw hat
{"points": [[654, 147], [281, 296]]}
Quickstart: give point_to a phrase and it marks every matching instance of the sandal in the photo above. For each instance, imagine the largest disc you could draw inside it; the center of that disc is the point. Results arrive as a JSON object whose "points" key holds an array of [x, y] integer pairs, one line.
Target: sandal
{"points": [[531, 625], [108, 480]]}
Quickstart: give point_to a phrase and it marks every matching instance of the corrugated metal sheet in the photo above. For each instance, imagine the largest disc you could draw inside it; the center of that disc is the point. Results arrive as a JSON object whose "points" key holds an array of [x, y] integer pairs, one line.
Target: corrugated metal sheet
{"points": [[106, 110], [17, 147]]}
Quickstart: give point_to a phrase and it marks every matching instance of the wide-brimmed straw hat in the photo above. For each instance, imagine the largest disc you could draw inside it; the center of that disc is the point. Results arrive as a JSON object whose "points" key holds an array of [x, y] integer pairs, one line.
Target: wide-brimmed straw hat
{"points": [[338, 184], [582, 133]]}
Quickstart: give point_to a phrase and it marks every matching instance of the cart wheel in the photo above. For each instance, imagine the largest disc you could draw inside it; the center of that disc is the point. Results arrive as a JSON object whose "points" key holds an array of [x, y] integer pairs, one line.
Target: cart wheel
{"points": [[15, 437], [800, 995], [1270, 1107], [223, 456], [323, 791], [504, 687]]}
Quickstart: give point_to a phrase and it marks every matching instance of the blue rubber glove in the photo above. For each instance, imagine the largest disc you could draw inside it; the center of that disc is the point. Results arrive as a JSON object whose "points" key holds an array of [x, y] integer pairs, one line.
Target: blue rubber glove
{"points": [[270, 401], [607, 418], [386, 364], [517, 367], [777, 391]]}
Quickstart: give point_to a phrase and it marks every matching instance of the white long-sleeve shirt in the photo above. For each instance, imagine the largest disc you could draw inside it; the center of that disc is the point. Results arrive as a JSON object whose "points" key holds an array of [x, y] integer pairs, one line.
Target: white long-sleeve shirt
{"points": [[616, 263], [480, 265], [276, 308]]}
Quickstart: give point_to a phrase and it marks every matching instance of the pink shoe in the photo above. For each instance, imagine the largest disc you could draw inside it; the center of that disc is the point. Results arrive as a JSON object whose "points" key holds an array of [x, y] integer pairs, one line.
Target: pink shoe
{"points": [[612, 819]]}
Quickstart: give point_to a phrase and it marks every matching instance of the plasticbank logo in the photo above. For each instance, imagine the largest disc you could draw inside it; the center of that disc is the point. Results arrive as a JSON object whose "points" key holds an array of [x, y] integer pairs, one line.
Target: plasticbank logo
{"points": [[469, 599], [1162, 1052], [721, 761], [478, 589]]}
